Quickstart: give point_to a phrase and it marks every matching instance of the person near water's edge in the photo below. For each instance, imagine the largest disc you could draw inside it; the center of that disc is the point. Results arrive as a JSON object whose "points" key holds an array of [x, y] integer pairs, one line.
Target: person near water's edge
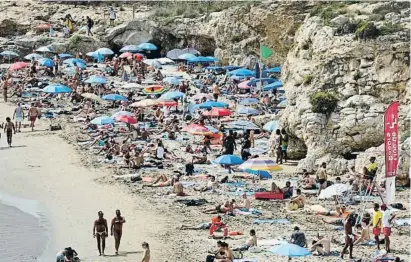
{"points": [[18, 116], [100, 231], [117, 228], [8, 129]]}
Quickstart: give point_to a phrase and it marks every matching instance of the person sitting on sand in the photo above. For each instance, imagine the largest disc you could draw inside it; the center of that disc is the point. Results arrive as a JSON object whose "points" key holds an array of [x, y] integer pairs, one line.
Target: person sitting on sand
{"points": [[217, 254], [287, 190], [298, 238], [178, 188], [224, 208], [137, 160], [115, 149], [322, 246], [338, 212], [212, 183], [298, 200], [164, 182], [146, 257], [251, 242], [308, 181], [200, 159], [246, 204], [365, 236]]}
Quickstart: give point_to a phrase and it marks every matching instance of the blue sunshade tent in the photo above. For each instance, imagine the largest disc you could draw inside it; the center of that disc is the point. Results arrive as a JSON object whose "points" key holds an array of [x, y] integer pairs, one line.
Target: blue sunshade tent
{"points": [[247, 111], [115, 97], [9, 54], [104, 51], [172, 80], [171, 95], [57, 89], [65, 55], [186, 56], [275, 85], [290, 250], [261, 173], [47, 62], [264, 81], [241, 72], [96, 80], [228, 160], [130, 49], [249, 101], [102, 120], [33, 55], [273, 70], [147, 47], [271, 126], [211, 104]]}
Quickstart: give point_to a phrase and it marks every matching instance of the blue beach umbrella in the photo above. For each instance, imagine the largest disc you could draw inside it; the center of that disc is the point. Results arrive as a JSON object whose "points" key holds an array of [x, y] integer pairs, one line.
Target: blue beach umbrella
{"points": [[231, 67], [261, 173], [186, 56], [290, 250], [275, 85], [249, 101], [172, 80], [47, 62], [273, 70], [247, 111], [130, 49], [9, 54], [102, 120], [74, 60], [211, 104], [57, 89], [170, 95], [104, 51], [147, 47], [228, 160], [96, 80], [271, 126], [122, 113], [115, 97], [65, 55], [241, 72], [201, 59], [282, 104], [33, 55]]}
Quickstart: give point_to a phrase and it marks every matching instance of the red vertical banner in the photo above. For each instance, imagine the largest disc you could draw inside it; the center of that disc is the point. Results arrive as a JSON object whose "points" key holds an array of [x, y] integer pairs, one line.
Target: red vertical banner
{"points": [[391, 139]]}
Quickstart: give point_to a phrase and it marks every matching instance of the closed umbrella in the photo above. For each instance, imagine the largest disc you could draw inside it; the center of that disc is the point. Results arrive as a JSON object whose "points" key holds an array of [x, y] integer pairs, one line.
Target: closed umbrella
{"points": [[18, 66], [147, 47], [102, 120], [57, 89], [47, 62], [211, 104], [104, 51], [257, 70], [126, 119], [145, 103], [130, 49], [217, 112], [334, 190], [247, 111], [290, 250], [115, 97], [33, 55], [271, 126]]}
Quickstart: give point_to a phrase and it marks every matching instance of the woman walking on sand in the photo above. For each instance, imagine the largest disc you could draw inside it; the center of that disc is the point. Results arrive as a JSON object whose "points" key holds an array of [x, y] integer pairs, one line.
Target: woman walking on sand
{"points": [[146, 257]]}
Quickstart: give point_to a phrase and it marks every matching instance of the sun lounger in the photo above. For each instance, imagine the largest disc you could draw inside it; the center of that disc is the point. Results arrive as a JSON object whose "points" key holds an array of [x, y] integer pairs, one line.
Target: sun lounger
{"points": [[268, 195]]}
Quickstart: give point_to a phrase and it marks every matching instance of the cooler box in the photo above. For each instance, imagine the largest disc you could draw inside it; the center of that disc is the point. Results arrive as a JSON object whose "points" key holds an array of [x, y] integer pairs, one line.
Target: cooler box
{"points": [[268, 195]]}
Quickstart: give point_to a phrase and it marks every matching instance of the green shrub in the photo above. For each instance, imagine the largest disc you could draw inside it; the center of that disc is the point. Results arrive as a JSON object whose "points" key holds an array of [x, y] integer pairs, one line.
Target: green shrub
{"points": [[328, 11], [389, 28], [323, 102], [307, 79], [366, 30], [75, 39], [404, 136]]}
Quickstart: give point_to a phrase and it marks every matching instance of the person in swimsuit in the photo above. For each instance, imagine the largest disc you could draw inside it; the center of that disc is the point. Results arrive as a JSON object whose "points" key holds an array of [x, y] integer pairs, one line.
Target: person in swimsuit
{"points": [[8, 129], [146, 257], [33, 114], [100, 231], [117, 228], [18, 116]]}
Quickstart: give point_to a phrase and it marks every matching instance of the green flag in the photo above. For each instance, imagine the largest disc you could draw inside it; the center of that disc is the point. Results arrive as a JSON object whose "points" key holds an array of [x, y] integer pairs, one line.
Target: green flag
{"points": [[265, 51]]}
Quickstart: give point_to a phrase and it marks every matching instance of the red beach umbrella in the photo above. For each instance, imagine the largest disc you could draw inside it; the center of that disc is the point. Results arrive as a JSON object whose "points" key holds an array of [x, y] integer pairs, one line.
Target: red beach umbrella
{"points": [[18, 66], [126, 119], [126, 55], [195, 129], [167, 102], [43, 26], [216, 112]]}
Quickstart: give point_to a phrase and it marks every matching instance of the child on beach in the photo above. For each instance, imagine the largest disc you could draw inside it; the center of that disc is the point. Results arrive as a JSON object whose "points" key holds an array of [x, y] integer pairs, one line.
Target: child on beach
{"points": [[146, 248], [8, 129]]}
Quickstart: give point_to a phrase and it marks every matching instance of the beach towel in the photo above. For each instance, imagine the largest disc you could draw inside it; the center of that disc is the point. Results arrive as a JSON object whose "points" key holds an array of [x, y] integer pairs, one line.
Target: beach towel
{"points": [[271, 221], [402, 221], [244, 211], [188, 183]]}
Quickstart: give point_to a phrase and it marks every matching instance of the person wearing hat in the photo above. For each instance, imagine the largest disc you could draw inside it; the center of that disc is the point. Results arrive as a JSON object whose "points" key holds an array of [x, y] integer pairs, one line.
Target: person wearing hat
{"points": [[387, 218]]}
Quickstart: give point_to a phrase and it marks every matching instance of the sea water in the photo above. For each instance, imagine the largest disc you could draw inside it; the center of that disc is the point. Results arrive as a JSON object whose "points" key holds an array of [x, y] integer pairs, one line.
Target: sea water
{"points": [[23, 231]]}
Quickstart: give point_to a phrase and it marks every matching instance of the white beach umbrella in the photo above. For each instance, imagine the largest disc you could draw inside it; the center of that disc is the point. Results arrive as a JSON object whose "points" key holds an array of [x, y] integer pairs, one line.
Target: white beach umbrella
{"points": [[334, 190]]}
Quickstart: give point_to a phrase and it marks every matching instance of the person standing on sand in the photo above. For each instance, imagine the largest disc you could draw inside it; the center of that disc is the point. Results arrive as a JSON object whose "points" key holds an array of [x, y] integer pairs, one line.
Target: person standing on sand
{"points": [[117, 228], [387, 218], [284, 145], [276, 147], [349, 236], [146, 248], [5, 87], [8, 129], [100, 231], [90, 24], [112, 15], [377, 224], [18, 115], [33, 114], [322, 177]]}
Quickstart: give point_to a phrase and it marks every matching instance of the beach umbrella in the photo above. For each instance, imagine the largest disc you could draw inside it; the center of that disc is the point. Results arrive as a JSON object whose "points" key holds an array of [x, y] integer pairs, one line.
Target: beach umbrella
{"points": [[231, 67], [165, 61], [115, 97], [102, 120], [260, 173], [282, 104], [186, 56], [104, 51], [257, 70], [33, 55], [247, 111], [9, 54], [47, 62], [152, 62], [132, 86], [244, 85], [290, 250], [147, 47], [263, 81], [96, 55], [273, 70], [66, 56], [172, 80], [228, 160], [126, 55], [153, 90], [334, 190], [195, 129], [201, 59], [211, 104], [130, 49], [271, 126], [241, 124], [43, 26], [44, 49], [212, 129], [249, 101], [241, 72], [126, 119], [275, 85], [93, 97], [174, 53], [217, 112], [261, 164], [18, 66], [74, 61], [167, 103], [200, 96], [138, 56], [170, 95], [145, 103], [57, 89], [95, 79], [191, 51], [122, 113]]}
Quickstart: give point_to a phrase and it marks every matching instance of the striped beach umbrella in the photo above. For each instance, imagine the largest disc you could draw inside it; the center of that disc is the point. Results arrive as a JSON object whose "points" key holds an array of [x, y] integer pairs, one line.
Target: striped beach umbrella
{"points": [[261, 164]]}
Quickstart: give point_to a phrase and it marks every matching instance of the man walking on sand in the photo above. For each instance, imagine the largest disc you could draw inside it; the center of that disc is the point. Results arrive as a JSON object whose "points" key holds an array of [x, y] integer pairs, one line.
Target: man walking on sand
{"points": [[100, 231], [377, 224], [33, 114], [387, 218], [117, 228], [8, 129], [18, 115]]}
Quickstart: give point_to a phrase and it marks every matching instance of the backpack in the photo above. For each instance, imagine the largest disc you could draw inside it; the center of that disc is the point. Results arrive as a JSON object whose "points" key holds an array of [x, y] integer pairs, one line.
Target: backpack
{"points": [[91, 23]]}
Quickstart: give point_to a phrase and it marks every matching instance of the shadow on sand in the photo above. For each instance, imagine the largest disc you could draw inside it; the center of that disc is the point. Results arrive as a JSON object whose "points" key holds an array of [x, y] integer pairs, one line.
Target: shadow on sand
{"points": [[7, 147]]}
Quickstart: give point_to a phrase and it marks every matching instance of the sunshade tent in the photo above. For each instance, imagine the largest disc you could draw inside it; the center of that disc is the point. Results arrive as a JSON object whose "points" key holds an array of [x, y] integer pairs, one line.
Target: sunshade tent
{"points": [[18, 66], [271, 126], [247, 111], [102, 120], [33, 55], [115, 97], [334, 190], [290, 250], [104, 51], [147, 47], [170, 95], [274, 85], [217, 112], [211, 104], [56, 89], [145, 103], [241, 72], [47, 62], [130, 49], [93, 97], [228, 160], [96, 80]]}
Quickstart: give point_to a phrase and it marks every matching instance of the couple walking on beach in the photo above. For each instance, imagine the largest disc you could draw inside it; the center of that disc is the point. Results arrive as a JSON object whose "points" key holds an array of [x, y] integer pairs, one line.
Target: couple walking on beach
{"points": [[100, 230]]}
